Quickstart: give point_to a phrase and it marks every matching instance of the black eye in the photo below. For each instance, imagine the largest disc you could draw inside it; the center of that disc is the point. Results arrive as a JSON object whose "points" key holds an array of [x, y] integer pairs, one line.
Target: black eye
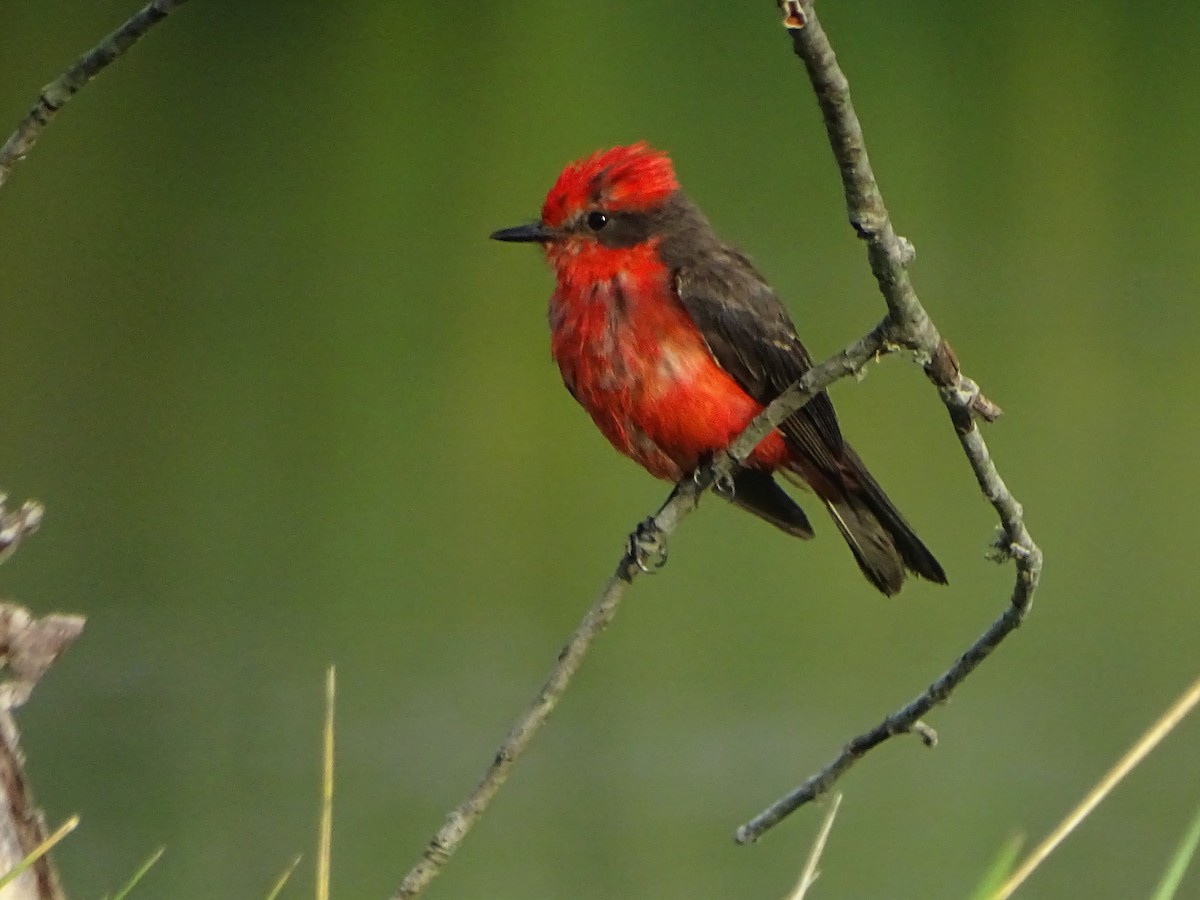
{"points": [[596, 220]]}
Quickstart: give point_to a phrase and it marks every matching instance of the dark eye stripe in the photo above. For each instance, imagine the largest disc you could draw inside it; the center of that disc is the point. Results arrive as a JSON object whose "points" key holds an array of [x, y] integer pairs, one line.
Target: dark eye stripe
{"points": [[625, 229]]}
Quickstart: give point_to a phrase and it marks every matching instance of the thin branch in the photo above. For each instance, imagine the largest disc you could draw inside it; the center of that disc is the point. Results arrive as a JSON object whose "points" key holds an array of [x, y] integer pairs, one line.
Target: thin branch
{"points": [[57, 93], [461, 819], [645, 551], [888, 253], [28, 647], [908, 325], [15, 526]]}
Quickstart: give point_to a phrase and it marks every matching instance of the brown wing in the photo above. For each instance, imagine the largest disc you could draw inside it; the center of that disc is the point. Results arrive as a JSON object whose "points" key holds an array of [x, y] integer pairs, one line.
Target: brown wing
{"points": [[752, 337]]}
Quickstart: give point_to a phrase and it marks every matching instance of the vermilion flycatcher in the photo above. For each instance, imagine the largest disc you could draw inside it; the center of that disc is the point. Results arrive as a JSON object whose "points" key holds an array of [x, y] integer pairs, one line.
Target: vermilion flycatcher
{"points": [[673, 342]]}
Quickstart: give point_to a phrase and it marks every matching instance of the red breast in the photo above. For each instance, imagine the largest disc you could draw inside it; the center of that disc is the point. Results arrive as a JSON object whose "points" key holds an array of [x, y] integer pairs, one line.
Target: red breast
{"points": [[635, 360]]}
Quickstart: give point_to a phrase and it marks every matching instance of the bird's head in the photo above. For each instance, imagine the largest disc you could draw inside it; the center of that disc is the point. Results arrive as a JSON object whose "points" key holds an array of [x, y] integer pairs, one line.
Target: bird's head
{"points": [[611, 199]]}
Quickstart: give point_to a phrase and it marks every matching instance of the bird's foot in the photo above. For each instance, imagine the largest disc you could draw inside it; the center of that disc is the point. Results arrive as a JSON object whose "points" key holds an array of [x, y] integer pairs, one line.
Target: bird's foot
{"points": [[722, 482], [648, 547], [724, 485]]}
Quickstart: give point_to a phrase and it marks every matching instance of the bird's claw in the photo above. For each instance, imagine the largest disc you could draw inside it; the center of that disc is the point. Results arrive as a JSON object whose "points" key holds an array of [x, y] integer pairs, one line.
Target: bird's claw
{"points": [[648, 547], [724, 484]]}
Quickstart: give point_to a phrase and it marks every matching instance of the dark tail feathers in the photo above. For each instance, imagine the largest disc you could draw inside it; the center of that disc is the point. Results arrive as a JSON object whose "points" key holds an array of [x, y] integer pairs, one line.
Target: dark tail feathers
{"points": [[757, 492], [883, 543]]}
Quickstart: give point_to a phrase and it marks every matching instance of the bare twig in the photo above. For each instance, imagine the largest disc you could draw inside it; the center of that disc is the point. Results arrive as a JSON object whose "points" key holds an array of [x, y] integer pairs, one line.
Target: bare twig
{"points": [[55, 95], [461, 819], [27, 648], [907, 325], [644, 544], [15, 525]]}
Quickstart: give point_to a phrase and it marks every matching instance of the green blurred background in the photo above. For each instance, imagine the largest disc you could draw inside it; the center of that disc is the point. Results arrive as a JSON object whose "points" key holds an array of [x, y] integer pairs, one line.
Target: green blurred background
{"points": [[287, 406]]}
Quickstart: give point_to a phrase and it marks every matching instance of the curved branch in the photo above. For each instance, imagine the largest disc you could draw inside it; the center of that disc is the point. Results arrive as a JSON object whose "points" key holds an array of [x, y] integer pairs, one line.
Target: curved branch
{"points": [[907, 325], [57, 93], [910, 326], [646, 543]]}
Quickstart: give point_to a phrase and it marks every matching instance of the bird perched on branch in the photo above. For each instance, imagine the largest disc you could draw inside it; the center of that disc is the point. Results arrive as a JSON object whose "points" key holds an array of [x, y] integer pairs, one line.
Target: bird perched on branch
{"points": [[673, 342]]}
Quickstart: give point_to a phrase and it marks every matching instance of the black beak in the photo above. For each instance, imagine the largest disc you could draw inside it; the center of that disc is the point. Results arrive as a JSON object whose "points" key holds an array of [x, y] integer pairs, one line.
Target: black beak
{"points": [[537, 233]]}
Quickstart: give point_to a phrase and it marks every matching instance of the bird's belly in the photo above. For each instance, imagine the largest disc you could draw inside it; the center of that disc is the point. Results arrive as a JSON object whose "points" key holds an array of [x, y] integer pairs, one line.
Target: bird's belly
{"points": [[692, 408], [667, 405]]}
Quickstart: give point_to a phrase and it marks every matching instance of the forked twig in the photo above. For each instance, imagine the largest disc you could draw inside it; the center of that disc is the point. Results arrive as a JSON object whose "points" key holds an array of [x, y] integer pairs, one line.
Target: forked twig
{"points": [[906, 326], [641, 546], [28, 646]]}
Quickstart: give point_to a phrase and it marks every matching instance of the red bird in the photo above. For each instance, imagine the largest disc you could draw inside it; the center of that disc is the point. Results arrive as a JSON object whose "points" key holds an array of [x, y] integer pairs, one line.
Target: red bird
{"points": [[672, 341]]}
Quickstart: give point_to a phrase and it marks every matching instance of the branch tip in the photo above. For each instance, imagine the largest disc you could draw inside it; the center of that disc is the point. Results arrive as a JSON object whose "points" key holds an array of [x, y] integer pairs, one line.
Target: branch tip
{"points": [[928, 736], [909, 326], [15, 526], [794, 17], [984, 408], [54, 96]]}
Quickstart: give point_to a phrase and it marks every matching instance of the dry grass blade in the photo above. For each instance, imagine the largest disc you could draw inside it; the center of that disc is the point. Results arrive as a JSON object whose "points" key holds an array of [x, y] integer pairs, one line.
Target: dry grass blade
{"points": [[999, 870], [137, 876], [809, 876], [39, 851], [325, 840], [277, 888], [1180, 860], [1139, 751]]}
